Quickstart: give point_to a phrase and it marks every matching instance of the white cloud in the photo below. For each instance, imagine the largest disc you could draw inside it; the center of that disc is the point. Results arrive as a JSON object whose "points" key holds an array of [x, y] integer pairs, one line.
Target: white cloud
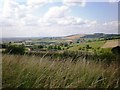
{"points": [[115, 23], [58, 30], [24, 14], [57, 12], [70, 20], [37, 3], [112, 1], [60, 15], [81, 3], [54, 15], [19, 20], [6, 8], [110, 27], [13, 9]]}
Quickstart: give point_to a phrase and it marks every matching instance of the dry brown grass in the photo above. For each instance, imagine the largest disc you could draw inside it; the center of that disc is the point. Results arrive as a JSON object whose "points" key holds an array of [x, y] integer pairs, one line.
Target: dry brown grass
{"points": [[36, 72], [111, 43], [75, 36]]}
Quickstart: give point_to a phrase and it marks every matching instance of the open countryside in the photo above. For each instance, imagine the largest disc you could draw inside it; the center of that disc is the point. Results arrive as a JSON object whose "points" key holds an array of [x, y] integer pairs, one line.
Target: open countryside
{"points": [[64, 44], [59, 63]]}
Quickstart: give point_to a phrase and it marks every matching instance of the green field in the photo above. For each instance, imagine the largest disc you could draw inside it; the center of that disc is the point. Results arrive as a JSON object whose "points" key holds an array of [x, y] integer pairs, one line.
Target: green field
{"points": [[95, 45]]}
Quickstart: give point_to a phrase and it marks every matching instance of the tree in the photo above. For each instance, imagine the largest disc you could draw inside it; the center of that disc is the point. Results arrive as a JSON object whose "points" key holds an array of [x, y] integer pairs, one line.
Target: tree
{"points": [[4, 46], [59, 48], [55, 47], [88, 47], [50, 47], [65, 44], [116, 50], [40, 47], [15, 49], [61, 44]]}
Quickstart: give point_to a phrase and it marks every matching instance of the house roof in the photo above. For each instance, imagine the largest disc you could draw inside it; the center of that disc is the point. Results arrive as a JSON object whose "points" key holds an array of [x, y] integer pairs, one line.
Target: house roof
{"points": [[111, 44]]}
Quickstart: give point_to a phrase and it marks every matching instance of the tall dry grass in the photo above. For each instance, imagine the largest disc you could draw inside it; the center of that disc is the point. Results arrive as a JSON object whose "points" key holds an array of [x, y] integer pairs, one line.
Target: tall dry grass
{"points": [[36, 72]]}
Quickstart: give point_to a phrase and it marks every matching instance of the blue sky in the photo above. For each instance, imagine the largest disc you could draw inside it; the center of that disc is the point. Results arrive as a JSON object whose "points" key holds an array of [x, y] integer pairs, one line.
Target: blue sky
{"points": [[34, 18], [100, 11]]}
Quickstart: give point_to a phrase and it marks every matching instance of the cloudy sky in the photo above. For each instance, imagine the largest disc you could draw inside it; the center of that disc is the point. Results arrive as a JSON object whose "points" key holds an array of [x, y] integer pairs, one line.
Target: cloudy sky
{"points": [[45, 18]]}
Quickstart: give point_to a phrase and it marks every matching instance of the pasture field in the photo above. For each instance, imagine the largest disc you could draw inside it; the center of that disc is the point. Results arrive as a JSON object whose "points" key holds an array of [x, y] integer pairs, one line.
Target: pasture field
{"points": [[41, 72], [95, 45]]}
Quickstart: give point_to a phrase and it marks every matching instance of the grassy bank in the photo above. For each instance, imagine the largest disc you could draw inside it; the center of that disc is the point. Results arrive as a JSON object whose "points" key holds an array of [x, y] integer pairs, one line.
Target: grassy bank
{"points": [[36, 72]]}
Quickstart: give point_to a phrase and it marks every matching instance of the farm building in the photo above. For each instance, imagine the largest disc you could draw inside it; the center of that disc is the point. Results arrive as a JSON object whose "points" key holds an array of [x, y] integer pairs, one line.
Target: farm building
{"points": [[111, 44]]}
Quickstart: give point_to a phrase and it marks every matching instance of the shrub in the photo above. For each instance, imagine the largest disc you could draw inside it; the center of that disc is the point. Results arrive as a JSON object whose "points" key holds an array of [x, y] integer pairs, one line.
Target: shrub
{"points": [[40, 47], [106, 55], [116, 50], [88, 47], [59, 48], [3, 46], [15, 49]]}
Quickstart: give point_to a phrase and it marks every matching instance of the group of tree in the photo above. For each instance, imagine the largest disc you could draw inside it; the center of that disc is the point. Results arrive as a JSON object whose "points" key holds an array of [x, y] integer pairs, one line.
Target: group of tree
{"points": [[15, 49], [55, 47]]}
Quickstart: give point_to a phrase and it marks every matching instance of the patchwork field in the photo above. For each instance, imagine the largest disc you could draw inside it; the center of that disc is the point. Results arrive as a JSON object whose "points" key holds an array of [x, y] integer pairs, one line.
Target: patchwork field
{"points": [[60, 64]]}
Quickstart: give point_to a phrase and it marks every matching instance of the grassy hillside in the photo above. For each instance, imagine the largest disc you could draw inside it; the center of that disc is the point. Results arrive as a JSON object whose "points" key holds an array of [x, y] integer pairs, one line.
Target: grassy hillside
{"points": [[77, 36], [36, 72], [95, 45]]}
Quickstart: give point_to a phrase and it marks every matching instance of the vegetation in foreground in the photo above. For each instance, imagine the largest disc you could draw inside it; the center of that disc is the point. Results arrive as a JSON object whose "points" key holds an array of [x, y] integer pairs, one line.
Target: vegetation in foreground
{"points": [[35, 72]]}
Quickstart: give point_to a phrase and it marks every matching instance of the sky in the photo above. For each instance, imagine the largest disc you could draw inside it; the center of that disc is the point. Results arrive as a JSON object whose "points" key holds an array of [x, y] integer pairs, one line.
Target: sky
{"points": [[51, 18]]}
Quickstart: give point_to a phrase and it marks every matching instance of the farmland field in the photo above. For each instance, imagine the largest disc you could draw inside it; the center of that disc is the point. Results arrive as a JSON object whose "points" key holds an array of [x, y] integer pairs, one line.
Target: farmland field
{"points": [[68, 68], [93, 44], [96, 44], [52, 44]]}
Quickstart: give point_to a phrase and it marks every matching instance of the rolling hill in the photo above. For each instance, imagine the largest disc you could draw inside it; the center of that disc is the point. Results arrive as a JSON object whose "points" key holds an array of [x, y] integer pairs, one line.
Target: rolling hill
{"points": [[76, 36], [95, 35]]}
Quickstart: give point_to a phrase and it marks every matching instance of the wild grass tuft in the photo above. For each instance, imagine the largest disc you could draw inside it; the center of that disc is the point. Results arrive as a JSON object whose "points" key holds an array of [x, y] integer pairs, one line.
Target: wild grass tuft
{"points": [[35, 72]]}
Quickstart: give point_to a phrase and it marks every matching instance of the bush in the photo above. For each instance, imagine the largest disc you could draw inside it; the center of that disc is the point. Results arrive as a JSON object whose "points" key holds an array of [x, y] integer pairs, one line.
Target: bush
{"points": [[88, 47], [40, 47], [116, 50], [106, 55], [3, 46], [15, 49], [59, 48]]}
